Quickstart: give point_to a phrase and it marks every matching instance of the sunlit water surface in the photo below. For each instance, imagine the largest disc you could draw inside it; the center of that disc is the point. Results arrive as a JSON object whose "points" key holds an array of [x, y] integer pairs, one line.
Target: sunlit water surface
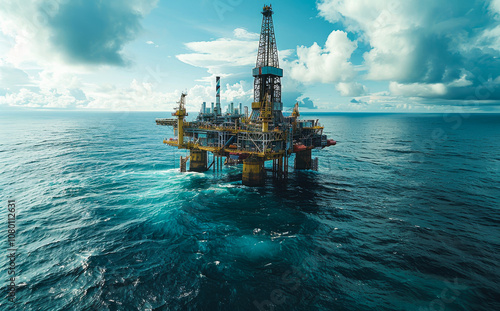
{"points": [[403, 214]]}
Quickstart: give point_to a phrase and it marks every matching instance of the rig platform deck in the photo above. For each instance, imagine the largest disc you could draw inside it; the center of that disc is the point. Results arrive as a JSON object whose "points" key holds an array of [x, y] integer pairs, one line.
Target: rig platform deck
{"points": [[252, 139]]}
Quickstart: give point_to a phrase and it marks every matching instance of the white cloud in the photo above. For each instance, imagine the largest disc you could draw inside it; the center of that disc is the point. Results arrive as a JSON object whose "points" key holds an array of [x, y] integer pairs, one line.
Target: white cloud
{"points": [[62, 81], [412, 41], [490, 38], [462, 82], [424, 46], [232, 58], [236, 92], [418, 89], [48, 89], [327, 64], [227, 52], [60, 32], [495, 6], [241, 33], [136, 97], [352, 89], [220, 55], [152, 43], [41, 99], [13, 79]]}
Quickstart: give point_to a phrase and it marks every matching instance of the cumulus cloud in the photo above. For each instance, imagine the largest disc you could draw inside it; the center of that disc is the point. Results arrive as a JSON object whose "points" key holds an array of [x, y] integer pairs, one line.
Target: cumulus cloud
{"points": [[63, 90], [13, 79], [73, 32], [40, 99], [136, 97], [495, 7], [351, 89], [238, 92], [306, 102], [405, 45], [47, 89], [325, 64], [142, 96], [61, 87], [56, 40], [426, 45]]}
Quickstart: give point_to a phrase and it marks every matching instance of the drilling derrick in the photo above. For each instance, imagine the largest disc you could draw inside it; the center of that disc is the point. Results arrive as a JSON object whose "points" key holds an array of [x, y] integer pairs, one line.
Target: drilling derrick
{"points": [[267, 75], [234, 137]]}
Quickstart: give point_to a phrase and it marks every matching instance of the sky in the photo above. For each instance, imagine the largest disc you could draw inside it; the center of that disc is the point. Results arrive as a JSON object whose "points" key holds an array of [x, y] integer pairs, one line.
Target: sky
{"points": [[337, 55]]}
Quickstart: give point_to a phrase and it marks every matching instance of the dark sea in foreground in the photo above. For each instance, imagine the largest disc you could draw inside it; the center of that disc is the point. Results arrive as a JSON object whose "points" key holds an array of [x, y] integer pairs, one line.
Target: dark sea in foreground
{"points": [[403, 214]]}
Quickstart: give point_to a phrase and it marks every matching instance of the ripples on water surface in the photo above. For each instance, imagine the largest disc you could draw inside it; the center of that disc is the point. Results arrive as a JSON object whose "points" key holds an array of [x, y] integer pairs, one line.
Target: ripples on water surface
{"points": [[402, 215]]}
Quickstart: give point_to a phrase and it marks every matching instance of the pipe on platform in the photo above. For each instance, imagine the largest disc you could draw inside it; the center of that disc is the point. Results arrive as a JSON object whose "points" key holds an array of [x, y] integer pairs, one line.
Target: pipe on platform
{"points": [[217, 95]]}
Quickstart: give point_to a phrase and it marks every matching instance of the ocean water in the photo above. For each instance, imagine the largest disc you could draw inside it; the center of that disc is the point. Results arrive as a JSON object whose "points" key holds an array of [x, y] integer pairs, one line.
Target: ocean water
{"points": [[403, 214]]}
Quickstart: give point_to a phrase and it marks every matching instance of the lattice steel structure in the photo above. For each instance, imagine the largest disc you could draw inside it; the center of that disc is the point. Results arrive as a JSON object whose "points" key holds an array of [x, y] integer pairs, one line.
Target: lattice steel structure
{"points": [[267, 73]]}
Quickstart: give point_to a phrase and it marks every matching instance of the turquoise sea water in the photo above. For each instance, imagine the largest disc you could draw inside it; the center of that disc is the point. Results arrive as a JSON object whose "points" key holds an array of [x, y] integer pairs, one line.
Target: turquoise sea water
{"points": [[403, 214]]}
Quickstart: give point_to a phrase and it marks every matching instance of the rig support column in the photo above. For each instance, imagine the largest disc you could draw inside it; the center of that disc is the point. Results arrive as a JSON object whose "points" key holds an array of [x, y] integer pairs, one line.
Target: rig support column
{"points": [[253, 171], [198, 161], [183, 164], [280, 167], [286, 166], [303, 160]]}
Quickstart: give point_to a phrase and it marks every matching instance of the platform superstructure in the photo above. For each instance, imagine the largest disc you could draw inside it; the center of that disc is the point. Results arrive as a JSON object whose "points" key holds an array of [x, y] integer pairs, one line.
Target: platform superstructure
{"points": [[251, 138]]}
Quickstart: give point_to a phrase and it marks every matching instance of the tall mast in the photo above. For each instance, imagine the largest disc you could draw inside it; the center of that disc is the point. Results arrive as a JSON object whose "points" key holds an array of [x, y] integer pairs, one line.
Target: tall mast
{"points": [[267, 74]]}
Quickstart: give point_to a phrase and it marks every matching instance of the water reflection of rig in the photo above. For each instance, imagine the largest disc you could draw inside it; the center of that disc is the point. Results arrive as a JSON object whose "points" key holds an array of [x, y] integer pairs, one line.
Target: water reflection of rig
{"points": [[264, 135]]}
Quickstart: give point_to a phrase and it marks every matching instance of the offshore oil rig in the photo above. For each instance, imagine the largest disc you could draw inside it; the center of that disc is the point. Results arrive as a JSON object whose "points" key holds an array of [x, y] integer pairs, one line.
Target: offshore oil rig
{"points": [[264, 134]]}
